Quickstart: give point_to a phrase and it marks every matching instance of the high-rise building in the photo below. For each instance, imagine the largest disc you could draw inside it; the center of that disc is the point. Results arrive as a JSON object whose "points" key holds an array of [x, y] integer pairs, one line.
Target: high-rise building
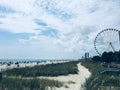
{"points": [[86, 55]]}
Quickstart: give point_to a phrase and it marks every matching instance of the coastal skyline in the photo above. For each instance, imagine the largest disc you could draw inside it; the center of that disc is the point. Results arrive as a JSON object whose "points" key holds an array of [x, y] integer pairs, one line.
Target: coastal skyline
{"points": [[54, 29]]}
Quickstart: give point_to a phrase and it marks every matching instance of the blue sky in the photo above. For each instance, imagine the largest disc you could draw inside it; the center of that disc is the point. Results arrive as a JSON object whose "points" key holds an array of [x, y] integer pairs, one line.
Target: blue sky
{"points": [[54, 29]]}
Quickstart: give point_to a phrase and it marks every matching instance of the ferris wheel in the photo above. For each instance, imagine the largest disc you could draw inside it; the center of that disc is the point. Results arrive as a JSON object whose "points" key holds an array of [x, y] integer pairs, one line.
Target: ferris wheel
{"points": [[108, 40]]}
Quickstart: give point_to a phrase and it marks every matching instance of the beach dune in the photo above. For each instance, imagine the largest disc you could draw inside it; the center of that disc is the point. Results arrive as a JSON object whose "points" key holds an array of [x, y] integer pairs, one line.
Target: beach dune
{"points": [[72, 82]]}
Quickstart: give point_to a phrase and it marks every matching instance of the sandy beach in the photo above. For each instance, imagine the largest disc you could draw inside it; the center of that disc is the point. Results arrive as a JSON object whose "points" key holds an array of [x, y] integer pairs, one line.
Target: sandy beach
{"points": [[72, 82], [30, 64]]}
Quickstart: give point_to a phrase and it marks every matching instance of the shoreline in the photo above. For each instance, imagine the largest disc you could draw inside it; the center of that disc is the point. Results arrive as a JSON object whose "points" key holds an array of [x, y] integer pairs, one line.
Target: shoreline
{"points": [[10, 65]]}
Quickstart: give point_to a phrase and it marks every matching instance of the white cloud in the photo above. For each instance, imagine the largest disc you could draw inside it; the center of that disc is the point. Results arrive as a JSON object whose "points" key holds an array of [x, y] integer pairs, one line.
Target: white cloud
{"points": [[78, 22]]}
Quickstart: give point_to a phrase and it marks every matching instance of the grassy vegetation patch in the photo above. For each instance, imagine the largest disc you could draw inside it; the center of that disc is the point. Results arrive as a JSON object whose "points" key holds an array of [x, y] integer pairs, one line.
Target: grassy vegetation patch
{"points": [[11, 81], [28, 84], [98, 81], [44, 70]]}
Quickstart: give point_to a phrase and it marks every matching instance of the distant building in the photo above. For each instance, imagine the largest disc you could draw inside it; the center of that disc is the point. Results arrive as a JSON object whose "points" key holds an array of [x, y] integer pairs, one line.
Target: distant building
{"points": [[0, 75], [86, 55], [82, 57]]}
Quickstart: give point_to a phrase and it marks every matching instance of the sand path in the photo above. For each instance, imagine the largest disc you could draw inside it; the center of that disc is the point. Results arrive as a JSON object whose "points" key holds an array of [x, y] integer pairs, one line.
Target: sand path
{"points": [[72, 82]]}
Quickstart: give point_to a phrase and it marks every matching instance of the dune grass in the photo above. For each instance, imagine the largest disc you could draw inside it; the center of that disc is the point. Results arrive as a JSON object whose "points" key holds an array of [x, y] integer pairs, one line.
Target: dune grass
{"points": [[28, 84], [15, 79], [44, 70], [98, 81]]}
